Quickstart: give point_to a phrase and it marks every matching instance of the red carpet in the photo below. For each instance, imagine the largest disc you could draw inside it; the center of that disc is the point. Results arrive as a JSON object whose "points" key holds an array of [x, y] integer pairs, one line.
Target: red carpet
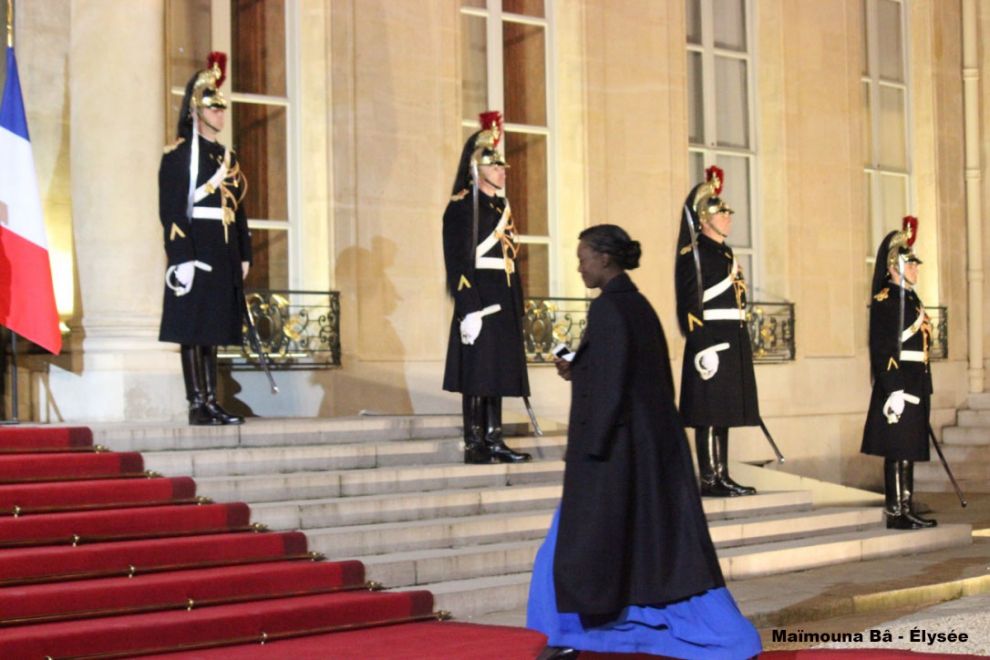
{"points": [[98, 558]]}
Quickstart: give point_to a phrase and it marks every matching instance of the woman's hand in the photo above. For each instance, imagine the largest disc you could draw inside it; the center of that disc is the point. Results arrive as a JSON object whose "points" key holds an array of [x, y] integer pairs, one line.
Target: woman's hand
{"points": [[563, 368]]}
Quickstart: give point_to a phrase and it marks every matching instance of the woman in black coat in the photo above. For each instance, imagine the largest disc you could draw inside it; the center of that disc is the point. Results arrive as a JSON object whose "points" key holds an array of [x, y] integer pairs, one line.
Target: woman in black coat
{"points": [[628, 564], [897, 423]]}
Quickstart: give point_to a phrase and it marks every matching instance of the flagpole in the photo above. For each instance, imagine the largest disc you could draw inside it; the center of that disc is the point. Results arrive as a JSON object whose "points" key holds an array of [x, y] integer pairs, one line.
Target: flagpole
{"points": [[10, 23]]}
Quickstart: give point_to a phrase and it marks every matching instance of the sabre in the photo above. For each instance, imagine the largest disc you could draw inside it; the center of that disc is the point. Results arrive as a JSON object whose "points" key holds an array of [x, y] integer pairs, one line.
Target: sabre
{"points": [[532, 417], [773, 445], [255, 340], [945, 464]]}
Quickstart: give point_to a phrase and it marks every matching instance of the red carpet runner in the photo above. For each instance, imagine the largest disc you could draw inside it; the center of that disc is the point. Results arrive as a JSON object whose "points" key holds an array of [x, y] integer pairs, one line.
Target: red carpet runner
{"points": [[100, 559]]}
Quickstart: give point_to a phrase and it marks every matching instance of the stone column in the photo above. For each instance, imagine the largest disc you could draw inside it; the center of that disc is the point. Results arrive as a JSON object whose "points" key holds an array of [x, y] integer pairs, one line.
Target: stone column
{"points": [[117, 369]]}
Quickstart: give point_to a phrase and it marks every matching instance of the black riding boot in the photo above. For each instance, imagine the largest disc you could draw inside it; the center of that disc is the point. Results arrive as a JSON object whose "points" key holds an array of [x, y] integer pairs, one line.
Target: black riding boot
{"points": [[493, 434], [192, 374], [892, 496], [722, 439], [210, 371], [706, 447], [906, 472], [475, 449]]}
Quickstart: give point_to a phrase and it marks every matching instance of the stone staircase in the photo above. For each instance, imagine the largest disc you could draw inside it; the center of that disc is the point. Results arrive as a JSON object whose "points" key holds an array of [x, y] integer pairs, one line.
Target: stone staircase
{"points": [[392, 492], [967, 450]]}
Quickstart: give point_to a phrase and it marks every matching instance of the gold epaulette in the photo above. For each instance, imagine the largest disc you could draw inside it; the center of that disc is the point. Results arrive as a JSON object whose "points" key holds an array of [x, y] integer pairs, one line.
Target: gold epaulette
{"points": [[459, 196], [884, 293], [685, 249], [169, 148]]}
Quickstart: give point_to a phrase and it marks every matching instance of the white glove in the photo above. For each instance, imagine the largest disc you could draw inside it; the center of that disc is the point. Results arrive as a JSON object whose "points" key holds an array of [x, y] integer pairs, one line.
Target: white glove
{"points": [[184, 275], [893, 408], [245, 267], [470, 327], [706, 361]]}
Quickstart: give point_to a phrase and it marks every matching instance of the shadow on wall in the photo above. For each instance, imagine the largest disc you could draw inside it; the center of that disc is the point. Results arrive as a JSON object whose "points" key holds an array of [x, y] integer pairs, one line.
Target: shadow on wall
{"points": [[373, 373]]}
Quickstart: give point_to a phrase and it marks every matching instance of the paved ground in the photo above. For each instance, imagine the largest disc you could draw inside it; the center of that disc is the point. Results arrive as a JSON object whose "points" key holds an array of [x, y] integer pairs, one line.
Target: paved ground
{"points": [[941, 592]]}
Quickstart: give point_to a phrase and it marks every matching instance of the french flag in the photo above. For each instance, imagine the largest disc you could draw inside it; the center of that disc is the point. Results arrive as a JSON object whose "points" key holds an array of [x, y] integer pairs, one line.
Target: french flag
{"points": [[27, 298]]}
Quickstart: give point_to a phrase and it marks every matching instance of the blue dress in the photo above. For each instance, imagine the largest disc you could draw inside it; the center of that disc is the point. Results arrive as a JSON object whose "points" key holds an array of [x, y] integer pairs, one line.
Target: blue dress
{"points": [[705, 626]]}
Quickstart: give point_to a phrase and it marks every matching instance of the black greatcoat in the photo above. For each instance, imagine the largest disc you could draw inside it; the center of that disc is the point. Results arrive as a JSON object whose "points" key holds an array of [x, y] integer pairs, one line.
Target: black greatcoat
{"points": [[210, 314], [906, 440], [495, 365], [632, 530], [728, 398]]}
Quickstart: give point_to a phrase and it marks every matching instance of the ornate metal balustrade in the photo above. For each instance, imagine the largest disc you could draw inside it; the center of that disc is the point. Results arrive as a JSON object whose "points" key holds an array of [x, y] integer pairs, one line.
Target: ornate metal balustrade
{"points": [[939, 348], [298, 330], [553, 321]]}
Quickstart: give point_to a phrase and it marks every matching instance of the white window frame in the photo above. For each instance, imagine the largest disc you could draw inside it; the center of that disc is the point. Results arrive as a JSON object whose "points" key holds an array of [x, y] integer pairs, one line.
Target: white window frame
{"points": [[711, 150], [495, 18], [879, 225], [220, 38]]}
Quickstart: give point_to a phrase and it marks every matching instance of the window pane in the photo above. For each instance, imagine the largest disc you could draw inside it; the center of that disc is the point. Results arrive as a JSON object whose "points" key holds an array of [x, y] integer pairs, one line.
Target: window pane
{"points": [[480, 4], [533, 263], [270, 252], [524, 50], [889, 40], [260, 139], [867, 128], [736, 194], [526, 182], [695, 94], [474, 65], [893, 151], [525, 7], [893, 201], [730, 24], [732, 104], [189, 39], [258, 47], [696, 167], [693, 15]]}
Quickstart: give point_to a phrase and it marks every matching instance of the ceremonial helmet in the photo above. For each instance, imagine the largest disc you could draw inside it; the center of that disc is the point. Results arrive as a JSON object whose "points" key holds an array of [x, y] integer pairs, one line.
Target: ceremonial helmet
{"points": [[702, 203], [480, 149], [203, 91], [898, 244]]}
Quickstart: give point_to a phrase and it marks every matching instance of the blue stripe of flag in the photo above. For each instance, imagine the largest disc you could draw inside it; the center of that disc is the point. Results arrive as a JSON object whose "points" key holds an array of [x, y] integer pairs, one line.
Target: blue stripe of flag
{"points": [[12, 106]]}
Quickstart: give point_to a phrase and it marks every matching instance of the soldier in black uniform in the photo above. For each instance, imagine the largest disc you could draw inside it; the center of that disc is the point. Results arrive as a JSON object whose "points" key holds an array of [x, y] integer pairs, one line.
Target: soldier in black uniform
{"points": [[206, 241], [900, 331], [485, 356], [718, 386]]}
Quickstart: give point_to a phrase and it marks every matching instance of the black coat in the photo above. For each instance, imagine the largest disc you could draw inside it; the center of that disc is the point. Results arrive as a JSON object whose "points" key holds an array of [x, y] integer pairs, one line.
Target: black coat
{"points": [[495, 365], [632, 529], [908, 438], [210, 314], [729, 398]]}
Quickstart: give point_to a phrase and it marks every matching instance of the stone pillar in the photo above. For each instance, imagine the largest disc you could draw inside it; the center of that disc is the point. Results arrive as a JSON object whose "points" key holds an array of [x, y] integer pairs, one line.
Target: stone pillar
{"points": [[116, 369]]}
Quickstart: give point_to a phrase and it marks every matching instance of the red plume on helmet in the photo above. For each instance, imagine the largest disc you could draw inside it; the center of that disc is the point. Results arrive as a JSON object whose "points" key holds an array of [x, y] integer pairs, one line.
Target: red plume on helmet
{"points": [[716, 176], [910, 226], [492, 121], [220, 60]]}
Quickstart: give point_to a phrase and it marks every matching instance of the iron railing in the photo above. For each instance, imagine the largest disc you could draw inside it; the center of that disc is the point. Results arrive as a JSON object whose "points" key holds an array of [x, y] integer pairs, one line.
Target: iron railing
{"points": [[939, 347], [553, 321], [298, 330]]}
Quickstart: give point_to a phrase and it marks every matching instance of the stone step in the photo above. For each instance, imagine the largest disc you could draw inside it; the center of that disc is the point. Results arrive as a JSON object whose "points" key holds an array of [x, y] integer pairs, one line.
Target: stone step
{"points": [[243, 461], [397, 569], [342, 511], [785, 556], [966, 435], [472, 597], [973, 419], [266, 432], [941, 484], [371, 538], [967, 464], [350, 483], [980, 401]]}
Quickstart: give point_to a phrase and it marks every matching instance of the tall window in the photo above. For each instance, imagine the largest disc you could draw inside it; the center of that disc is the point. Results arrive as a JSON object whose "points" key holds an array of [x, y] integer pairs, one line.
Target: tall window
{"points": [[259, 119], [505, 64], [720, 111], [886, 136]]}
